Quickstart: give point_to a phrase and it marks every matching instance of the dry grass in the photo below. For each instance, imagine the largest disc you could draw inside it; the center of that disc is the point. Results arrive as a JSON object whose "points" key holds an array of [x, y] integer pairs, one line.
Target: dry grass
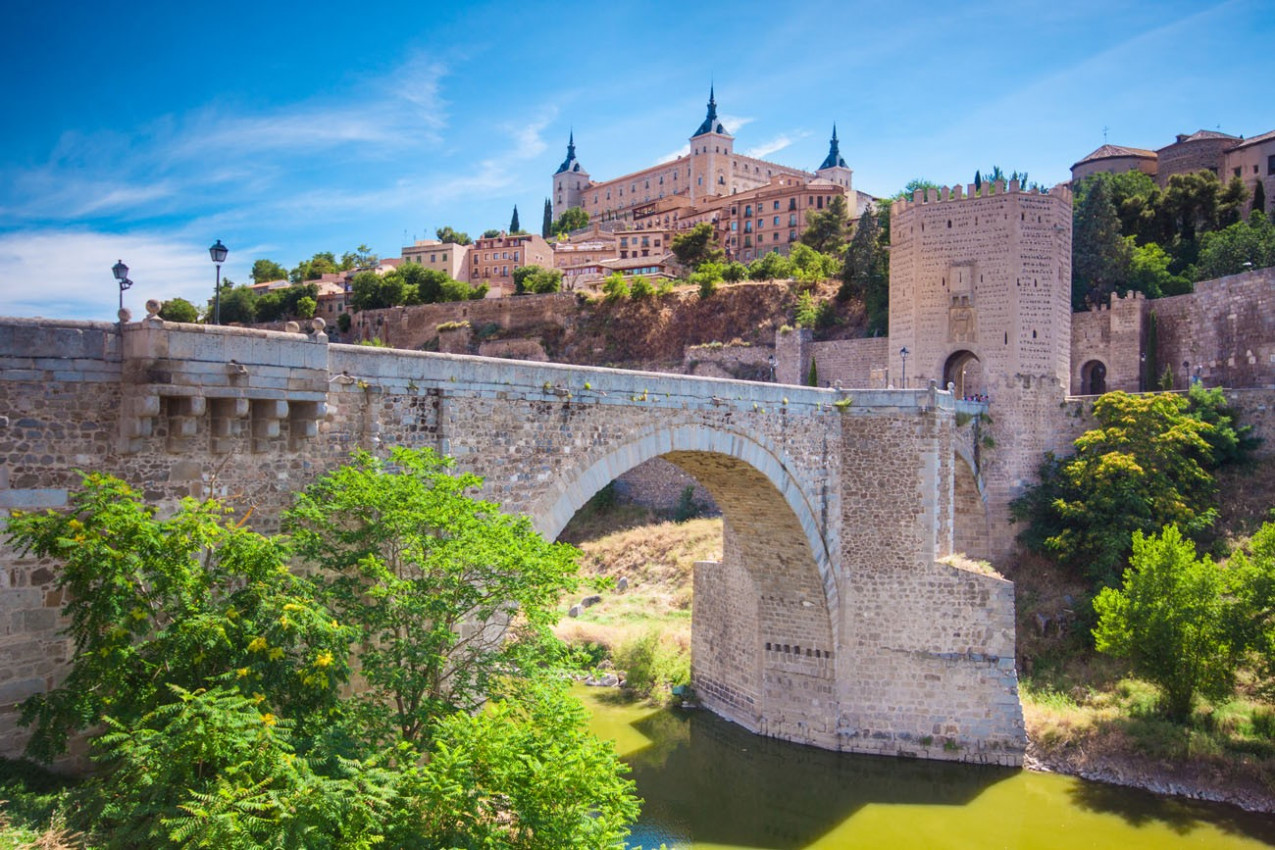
{"points": [[961, 562], [658, 562]]}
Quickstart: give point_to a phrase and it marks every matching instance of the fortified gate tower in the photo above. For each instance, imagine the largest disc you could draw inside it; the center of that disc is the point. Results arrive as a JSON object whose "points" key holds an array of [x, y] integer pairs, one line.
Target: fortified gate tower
{"points": [[980, 298]]}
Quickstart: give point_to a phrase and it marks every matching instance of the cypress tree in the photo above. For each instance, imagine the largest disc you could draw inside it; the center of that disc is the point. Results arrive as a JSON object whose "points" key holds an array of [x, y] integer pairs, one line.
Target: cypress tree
{"points": [[514, 226], [812, 377], [1100, 257], [546, 227], [1259, 197]]}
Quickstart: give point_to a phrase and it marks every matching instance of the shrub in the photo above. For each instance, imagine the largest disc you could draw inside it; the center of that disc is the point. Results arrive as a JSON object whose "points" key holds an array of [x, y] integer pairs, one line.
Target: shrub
{"points": [[653, 667]]}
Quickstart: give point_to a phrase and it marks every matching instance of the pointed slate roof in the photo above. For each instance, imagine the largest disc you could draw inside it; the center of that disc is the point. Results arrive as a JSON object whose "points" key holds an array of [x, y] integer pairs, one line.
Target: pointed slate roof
{"points": [[570, 163], [834, 158], [711, 124]]}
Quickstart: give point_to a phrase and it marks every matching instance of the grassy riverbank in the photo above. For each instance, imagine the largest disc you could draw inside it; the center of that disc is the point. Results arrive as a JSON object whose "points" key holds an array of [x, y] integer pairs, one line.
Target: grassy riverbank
{"points": [[1085, 714]]}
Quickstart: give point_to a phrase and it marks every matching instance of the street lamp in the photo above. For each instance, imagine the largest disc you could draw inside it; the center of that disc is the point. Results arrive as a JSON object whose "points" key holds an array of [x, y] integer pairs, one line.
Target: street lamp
{"points": [[121, 275], [218, 253], [903, 354]]}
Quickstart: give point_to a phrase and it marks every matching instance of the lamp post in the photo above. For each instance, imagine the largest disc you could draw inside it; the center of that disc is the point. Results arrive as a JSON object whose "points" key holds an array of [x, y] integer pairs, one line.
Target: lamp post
{"points": [[121, 275], [218, 253], [903, 355]]}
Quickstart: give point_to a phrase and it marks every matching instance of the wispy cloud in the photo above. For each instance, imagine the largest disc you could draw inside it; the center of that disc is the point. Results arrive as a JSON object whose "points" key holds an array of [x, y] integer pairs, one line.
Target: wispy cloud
{"points": [[67, 273], [164, 166], [775, 145]]}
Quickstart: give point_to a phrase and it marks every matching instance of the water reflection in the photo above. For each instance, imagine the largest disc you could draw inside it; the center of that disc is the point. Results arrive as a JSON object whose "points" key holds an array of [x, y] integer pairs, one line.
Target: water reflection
{"points": [[709, 783]]}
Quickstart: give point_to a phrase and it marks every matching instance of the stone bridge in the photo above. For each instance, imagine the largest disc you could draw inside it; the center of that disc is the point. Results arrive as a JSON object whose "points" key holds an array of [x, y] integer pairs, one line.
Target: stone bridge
{"points": [[830, 619]]}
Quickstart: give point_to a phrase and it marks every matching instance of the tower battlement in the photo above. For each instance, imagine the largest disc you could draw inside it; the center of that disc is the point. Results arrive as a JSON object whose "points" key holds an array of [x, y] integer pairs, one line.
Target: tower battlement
{"points": [[969, 192]]}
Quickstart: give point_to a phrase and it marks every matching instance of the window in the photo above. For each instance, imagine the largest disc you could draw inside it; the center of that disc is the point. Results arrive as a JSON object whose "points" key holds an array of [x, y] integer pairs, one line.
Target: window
{"points": [[792, 236], [1270, 165], [792, 221], [776, 205], [776, 221], [1236, 171], [792, 203], [819, 201], [444, 258], [748, 211], [515, 256]]}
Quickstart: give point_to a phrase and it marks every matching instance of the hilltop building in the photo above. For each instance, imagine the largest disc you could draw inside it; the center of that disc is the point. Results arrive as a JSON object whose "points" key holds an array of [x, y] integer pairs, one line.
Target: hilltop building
{"points": [[1251, 160], [715, 184]]}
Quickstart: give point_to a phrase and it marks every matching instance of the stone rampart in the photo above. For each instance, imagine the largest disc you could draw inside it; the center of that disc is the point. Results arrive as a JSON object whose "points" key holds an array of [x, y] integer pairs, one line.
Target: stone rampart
{"points": [[1223, 333], [853, 362]]}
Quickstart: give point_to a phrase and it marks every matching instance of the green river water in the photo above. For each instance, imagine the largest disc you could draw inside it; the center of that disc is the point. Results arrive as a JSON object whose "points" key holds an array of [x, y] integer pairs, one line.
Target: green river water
{"points": [[709, 784]]}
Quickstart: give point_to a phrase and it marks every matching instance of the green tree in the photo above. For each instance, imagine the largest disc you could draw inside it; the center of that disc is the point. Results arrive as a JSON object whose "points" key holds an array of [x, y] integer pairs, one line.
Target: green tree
{"points": [[1147, 464], [306, 307], [697, 246], [906, 193], [806, 311], [265, 270], [431, 577], [810, 265], [1243, 246], [826, 229], [1171, 619], [1253, 585], [770, 266], [523, 773], [812, 376], [615, 287], [1259, 197], [360, 258], [186, 601], [1230, 202], [1100, 257], [573, 218], [641, 288], [371, 291], [238, 304], [514, 225], [491, 234], [269, 306], [546, 225], [324, 262], [1149, 271], [866, 272], [179, 310], [455, 237], [536, 280], [734, 272]]}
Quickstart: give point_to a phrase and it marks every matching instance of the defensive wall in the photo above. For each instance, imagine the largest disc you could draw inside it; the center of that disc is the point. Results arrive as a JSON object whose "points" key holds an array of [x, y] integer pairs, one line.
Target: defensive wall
{"points": [[828, 621]]}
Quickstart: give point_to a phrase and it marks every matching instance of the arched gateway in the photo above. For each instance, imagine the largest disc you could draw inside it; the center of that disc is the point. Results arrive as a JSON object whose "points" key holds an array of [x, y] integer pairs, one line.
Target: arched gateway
{"points": [[829, 620]]}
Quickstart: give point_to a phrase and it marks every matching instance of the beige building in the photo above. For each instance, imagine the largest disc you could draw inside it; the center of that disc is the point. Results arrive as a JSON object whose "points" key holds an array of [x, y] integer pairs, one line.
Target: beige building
{"points": [[1114, 159], [1251, 160], [445, 257], [492, 260], [681, 192], [772, 217]]}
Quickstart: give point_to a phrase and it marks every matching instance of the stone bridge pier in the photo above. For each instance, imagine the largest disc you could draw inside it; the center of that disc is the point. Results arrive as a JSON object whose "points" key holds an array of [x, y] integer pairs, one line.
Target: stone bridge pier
{"points": [[829, 620]]}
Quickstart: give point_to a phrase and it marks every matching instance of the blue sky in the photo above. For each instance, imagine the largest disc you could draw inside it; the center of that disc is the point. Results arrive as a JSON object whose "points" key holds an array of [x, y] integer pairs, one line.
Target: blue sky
{"points": [[145, 131]]}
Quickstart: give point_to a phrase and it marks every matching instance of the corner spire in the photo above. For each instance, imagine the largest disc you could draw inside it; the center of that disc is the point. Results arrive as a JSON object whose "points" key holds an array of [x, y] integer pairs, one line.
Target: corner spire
{"points": [[570, 163], [711, 124], [833, 159]]}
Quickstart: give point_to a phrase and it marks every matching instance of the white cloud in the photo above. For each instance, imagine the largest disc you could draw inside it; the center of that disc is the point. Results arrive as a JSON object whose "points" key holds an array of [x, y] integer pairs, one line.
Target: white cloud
{"points": [[684, 150], [765, 149], [66, 273]]}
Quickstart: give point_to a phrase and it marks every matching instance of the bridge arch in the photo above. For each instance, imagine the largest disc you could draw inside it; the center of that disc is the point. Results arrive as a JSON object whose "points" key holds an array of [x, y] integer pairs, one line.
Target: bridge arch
{"points": [[735, 468], [765, 618]]}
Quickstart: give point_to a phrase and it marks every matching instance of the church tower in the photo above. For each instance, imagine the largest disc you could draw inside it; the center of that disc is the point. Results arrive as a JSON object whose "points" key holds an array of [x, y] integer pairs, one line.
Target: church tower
{"points": [[835, 170], [569, 181], [711, 149]]}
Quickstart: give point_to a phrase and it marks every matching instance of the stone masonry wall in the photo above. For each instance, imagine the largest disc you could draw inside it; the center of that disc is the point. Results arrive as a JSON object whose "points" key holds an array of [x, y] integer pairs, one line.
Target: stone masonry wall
{"points": [[252, 416], [853, 362], [1113, 336], [1224, 332]]}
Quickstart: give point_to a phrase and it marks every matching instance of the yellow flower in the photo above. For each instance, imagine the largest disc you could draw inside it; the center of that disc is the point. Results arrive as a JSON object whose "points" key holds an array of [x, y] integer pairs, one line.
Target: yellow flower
{"points": [[292, 606], [75, 525], [231, 613], [258, 699], [137, 614], [276, 654], [268, 719], [242, 671], [324, 659], [258, 644]]}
